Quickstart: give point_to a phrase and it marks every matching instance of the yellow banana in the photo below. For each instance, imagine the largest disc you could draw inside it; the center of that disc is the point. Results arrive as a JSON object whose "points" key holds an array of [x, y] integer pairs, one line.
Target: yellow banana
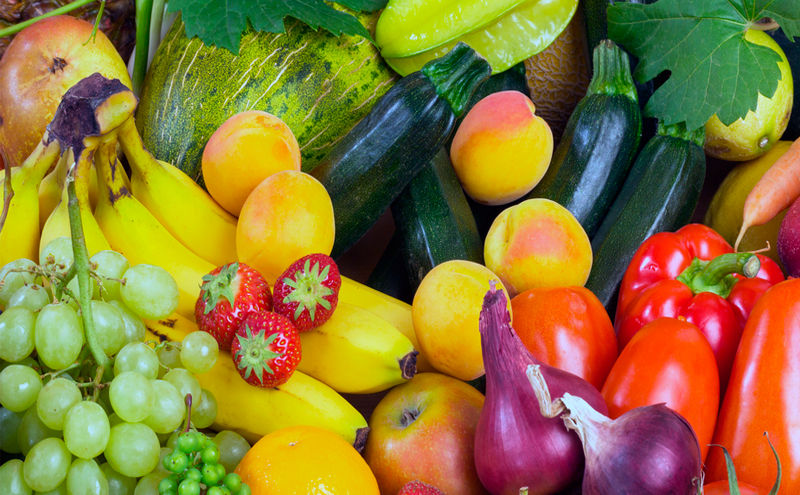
{"points": [[57, 224], [19, 233], [50, 189], [183, 207], [357, 352], [393, 310], [133, 231], [252, 411]]}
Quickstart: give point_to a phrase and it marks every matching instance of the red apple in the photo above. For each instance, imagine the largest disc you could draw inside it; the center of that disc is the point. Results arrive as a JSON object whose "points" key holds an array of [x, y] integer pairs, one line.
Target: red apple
{"points": [[424, 430], [42, 62]]}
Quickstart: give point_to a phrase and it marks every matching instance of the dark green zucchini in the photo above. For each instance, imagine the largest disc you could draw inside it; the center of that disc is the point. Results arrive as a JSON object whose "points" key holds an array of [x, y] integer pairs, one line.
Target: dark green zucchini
{"points": [[599, 143], [434, 222], [369, 167], [389, 275], [660, 194]]}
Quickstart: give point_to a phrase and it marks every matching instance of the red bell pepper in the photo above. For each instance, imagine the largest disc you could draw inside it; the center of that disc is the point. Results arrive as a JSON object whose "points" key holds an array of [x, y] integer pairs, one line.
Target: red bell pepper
{"points": [[694, 274]]}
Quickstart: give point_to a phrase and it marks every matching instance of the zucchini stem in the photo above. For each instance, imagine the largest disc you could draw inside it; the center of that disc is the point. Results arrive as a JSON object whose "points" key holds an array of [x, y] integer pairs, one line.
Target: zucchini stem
{"points": [[612, 72]]}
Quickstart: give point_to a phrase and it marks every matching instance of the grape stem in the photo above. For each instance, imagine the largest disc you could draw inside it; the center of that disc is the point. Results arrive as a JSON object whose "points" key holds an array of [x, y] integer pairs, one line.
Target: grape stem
{"points": [[56, 373], [188, 401], [81, 263]]}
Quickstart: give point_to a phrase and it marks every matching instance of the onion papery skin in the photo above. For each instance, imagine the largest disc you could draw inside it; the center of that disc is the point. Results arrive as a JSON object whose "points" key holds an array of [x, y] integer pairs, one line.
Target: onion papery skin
{"points": [[515, 445]]}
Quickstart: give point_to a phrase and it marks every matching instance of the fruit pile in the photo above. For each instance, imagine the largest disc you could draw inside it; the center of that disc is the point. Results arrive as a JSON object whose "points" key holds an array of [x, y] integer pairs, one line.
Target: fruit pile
{"points": [[313, 261]]}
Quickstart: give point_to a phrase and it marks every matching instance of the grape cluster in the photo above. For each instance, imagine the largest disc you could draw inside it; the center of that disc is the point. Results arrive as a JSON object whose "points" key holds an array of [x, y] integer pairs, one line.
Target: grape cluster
{"points": [[196, 468], [70, 424]]}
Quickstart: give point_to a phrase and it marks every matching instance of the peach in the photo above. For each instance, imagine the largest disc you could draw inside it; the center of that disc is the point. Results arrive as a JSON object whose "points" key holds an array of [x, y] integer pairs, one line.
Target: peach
{"points": [[246, 149], [445, 312], [287, 216], [501, 149], [538, 243]]}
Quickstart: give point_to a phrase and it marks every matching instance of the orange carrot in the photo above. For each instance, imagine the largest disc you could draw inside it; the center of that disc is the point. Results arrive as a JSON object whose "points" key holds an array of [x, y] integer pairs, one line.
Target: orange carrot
{"points": [[775, 191]]}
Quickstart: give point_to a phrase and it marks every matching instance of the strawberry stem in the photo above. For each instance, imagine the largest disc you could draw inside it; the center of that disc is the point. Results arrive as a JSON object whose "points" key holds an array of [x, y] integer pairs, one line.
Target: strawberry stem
{"points": [[308, 290], [255, 353]]}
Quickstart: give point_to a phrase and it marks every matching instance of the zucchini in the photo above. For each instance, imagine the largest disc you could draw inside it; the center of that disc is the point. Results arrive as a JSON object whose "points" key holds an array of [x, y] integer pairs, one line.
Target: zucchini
{"points": [[599, 143], [318, 83], [389, 275], [434, 222], [369, 167], [660, 194]]}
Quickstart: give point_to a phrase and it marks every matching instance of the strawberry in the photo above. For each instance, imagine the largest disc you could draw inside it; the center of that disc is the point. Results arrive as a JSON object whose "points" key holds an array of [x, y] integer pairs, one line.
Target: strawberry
{"points": [[266, 349], [417, 487], [308, 291], [228, 294]]}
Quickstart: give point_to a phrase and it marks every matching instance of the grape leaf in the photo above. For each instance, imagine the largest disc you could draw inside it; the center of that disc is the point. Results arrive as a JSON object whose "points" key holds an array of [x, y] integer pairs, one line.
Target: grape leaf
{"points": [[222, 22], [712, 68]]}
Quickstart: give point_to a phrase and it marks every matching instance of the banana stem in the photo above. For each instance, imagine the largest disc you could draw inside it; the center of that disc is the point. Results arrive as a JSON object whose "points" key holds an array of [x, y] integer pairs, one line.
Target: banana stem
{"points": [[8, 193], [81, 263]]}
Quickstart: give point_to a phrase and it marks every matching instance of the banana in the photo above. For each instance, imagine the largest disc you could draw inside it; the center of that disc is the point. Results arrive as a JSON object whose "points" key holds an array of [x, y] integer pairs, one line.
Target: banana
{"points": [[183, 207], [50, 189], [252, 411], [393, 310], [19, 232], [133, 231], [357, 352], [57, 224]]}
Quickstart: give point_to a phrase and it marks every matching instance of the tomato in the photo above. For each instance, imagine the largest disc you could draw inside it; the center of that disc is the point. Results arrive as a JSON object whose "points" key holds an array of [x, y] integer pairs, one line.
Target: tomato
{"points": [[667, 361], [763, 395], [568, 328], [721, 488]]}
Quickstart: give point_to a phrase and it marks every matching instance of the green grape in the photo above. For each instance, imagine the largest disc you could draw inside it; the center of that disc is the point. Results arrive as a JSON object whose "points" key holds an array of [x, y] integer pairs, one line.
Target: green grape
{"points": [[186, 383], [139, 357], [30, 296], [108, 327], [74, 288], [210, 474], [86, 477], [110, 265], [167, 484], [117, 484], [193, 474], [172, 441], [164, 452], [232, 447], [199, 351], [150, 291], [169, 356], [148, 485], [167, 410], [132, 449], [61, 250], [204, 414], [176, 462], [86, 429], [131, 395], [55, 399], [31, 431], [188, 444], [233, 482], [12, 480], [9, 423], [19, 387], [13, 280], [16, 334], [210, 454], [58, 335], [135, 330], [245, 490], [46, 465], [189, 487], [59, 490]]}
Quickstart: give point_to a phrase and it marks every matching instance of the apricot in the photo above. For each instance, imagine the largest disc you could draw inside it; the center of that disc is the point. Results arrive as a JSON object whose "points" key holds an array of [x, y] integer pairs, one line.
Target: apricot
{"points": [[501, 149], [538, 243], [246, 149], [445, 311], [287, 216]]}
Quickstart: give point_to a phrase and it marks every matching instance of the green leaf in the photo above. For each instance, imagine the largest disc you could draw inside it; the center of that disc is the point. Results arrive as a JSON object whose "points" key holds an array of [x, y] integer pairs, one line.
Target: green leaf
{"points": [[712, 68], [222, 22]]}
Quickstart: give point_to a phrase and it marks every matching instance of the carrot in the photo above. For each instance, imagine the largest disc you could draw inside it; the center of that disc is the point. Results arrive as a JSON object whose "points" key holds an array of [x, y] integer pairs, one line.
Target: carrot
{"points": [[776, 190]]}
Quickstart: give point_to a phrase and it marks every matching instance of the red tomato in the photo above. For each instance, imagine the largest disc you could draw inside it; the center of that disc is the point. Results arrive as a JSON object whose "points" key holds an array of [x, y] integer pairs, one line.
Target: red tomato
{"points": [[667, 361], [568, 328], [721, 488]]}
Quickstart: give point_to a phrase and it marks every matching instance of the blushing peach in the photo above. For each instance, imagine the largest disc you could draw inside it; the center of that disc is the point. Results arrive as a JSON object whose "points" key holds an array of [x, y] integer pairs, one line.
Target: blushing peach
{"points": [[502, 148], [538, 243], [286, 217], [246, 149], [445, 312]]}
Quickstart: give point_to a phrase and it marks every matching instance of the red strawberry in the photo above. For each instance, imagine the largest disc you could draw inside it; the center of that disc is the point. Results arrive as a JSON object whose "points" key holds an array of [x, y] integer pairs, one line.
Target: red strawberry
{"points": [[228, 294], [419, 488], [308, 291], [266, 349]]}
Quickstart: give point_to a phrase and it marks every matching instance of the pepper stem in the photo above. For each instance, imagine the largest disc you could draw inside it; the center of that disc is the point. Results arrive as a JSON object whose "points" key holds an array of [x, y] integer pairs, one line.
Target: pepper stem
{"points": [[717, 275]]}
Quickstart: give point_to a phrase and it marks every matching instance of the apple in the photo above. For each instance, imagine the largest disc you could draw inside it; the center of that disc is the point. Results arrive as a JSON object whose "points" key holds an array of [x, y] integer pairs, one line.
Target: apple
{"points": [[424, 430], [41, 63]]}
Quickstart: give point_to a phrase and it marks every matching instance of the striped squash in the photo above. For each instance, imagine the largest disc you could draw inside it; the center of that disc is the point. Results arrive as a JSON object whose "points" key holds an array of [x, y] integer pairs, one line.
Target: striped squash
{"points": [[317, 83]]}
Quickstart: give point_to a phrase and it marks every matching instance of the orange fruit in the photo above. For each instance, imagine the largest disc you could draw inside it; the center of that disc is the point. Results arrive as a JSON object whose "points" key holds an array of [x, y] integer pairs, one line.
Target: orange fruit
{"points": [[306, 460]]}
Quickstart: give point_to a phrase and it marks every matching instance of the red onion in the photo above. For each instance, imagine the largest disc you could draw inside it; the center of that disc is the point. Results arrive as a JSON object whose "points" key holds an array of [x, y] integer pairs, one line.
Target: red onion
{"points": [[515, 445], [649, 449]]}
